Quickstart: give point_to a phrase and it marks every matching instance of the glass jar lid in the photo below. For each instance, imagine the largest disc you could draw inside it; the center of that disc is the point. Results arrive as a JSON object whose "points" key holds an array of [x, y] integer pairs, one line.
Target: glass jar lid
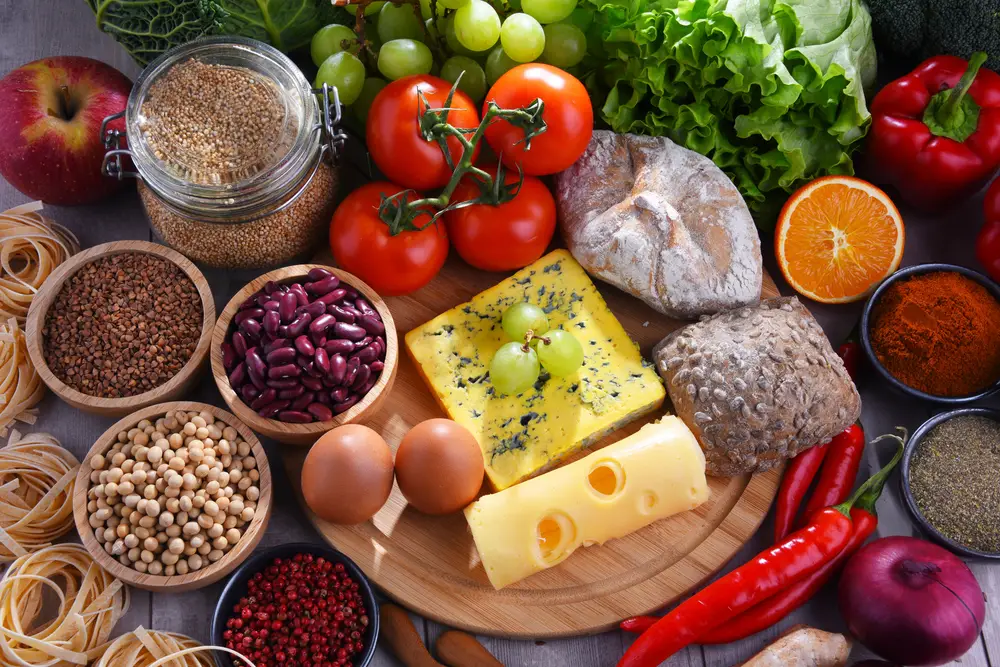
{"points": [[223, 127]]}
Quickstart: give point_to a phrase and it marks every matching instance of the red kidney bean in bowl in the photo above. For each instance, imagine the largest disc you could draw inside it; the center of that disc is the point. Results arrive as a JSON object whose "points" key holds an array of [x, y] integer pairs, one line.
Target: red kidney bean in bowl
{"points": [[305, 351]]}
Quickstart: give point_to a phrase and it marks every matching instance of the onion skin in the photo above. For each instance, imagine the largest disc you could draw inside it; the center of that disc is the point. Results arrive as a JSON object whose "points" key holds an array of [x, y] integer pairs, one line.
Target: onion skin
{"points": [[894, 594]]}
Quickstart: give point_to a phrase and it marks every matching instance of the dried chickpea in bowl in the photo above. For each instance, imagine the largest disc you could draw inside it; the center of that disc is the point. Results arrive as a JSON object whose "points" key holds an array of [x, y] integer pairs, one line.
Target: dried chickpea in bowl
{"points": [[176, 490]]}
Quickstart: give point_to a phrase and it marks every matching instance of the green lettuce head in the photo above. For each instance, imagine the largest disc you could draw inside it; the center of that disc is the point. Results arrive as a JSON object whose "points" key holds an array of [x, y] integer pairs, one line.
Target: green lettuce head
{"points": [[771, 90]]}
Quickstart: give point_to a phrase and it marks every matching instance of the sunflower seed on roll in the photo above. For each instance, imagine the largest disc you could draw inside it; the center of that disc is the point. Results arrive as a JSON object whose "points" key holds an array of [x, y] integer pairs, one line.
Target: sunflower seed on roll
{"points": [[757, 385]]}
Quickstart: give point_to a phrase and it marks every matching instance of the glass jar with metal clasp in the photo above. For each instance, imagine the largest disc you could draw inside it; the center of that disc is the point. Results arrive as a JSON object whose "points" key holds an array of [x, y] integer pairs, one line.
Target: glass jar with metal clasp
{"points": [[234, 151]]}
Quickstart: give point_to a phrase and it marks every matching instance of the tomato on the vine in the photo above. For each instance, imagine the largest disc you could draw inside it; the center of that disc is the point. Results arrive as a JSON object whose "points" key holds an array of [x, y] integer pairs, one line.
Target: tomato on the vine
{"points": [[505, 237], [392, 131], [392, 264], [567, 114]]}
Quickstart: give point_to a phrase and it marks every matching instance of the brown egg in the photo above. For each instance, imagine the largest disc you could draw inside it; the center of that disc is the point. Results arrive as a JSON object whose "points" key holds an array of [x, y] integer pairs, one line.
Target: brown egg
{"points": [[439, 466], [347, 475]]}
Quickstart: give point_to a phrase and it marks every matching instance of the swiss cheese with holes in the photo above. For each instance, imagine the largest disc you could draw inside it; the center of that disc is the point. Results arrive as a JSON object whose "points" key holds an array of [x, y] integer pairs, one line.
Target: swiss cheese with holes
{"points": [[652, 474]]}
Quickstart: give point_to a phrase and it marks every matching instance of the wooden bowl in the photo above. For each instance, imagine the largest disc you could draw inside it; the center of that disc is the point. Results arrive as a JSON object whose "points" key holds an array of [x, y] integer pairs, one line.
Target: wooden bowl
{"points": [[305, 434], [180, 582], [174, 388]]}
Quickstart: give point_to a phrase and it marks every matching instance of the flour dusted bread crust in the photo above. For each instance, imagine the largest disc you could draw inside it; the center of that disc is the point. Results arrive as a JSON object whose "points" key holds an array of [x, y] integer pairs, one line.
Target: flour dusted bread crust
{"points": [[757, 385], [662, 223]]}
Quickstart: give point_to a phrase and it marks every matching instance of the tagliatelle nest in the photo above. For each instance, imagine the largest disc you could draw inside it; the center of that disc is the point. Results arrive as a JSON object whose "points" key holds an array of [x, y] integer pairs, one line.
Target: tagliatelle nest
{"points": [[31, 247], [21, 387], [36, 493], [149, 648], [91, 602]]}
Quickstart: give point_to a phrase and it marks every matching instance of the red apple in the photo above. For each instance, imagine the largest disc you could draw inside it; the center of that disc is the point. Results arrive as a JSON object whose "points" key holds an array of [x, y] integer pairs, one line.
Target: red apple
{"points": [[50, 127]]}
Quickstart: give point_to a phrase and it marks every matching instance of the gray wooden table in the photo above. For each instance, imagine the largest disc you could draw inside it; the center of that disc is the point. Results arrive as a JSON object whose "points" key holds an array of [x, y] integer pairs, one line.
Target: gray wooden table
{"points": [[31, 29]]}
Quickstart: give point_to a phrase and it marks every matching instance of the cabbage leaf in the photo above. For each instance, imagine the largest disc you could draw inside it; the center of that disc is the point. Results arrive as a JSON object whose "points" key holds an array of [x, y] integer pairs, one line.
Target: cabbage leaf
{"points": [[772, 90], [147, 28]]}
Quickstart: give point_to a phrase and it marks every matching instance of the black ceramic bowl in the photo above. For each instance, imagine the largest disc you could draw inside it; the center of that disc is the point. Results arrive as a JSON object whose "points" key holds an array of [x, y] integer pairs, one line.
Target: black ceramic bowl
{"points": [[866, 322], [236, 588], [904, 480]]}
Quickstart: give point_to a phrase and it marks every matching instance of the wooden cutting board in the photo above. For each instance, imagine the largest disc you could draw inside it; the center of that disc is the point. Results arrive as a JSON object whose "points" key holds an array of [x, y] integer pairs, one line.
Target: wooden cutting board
{"points": [[430, 564]]}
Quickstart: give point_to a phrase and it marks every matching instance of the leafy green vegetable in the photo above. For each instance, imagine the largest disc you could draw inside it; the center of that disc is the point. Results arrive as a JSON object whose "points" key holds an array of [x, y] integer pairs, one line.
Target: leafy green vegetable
{"points": [[771, 90], [147, 28], [919, 29]]}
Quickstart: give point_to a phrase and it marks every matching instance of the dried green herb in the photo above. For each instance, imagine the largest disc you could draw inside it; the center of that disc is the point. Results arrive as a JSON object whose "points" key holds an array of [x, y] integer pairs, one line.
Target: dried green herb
{"points": [[955, 481]]}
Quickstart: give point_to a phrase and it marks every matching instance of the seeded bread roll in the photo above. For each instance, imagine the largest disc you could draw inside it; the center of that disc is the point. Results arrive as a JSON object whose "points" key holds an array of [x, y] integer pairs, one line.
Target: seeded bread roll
{"points": [[757, 385], [661, 223]]}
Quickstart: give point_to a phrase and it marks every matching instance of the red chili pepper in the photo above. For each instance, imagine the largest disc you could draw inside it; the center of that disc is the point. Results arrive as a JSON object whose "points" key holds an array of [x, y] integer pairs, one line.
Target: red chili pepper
{"points": [[770, 572], [935, 132], [770, 611], [840, 469], [798, 476], [988, 241], [850, 352], [865, 519]]}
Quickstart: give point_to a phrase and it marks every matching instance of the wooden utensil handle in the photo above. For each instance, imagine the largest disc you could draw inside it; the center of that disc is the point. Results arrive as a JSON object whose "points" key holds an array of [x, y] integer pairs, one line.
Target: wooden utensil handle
{"points": [[459, 649], [398, 632]]}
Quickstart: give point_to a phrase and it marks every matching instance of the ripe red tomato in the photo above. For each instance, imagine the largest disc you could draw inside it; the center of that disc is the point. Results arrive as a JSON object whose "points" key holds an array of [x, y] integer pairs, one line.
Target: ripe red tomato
{"points": [[567, 113], [391, 264], [393, 131], [505, 237]]}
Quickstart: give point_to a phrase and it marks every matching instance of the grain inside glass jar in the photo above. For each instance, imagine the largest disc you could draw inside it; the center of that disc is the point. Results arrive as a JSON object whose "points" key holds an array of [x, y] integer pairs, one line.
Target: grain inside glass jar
{"points": [[122, 325], [225, 136], [215, 123], [269, 241]]}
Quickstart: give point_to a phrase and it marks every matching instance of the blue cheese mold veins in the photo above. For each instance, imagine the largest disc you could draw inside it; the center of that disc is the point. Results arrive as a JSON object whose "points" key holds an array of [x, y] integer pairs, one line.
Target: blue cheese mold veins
{"points": [[524, 435]]}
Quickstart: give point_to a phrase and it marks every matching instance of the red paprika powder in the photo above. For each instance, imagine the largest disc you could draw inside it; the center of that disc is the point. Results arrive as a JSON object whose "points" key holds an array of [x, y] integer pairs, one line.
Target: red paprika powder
{"points": [[938, 333]]}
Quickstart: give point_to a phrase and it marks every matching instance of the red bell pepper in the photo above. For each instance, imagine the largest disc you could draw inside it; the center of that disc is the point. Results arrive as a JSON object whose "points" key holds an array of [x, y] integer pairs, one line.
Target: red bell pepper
{"points": [[935, 132], [988, 243]]}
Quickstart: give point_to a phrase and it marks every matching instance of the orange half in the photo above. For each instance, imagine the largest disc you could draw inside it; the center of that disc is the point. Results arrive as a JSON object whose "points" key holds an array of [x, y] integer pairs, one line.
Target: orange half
{"points": [[837, 238]]}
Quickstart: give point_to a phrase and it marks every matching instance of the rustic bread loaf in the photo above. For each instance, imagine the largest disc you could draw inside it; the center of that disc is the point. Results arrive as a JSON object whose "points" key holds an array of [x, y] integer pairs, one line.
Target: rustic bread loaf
{"points": [[662, 223], [757, 385]]}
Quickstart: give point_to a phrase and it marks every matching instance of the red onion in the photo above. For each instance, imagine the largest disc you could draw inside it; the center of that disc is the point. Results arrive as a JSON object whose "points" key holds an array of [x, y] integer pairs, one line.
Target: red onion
{"points": [[911, 602]]}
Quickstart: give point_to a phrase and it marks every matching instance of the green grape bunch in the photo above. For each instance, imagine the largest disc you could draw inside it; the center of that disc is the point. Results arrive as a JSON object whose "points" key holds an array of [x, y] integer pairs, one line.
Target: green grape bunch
{"points": [[516, 365], [473, 42]]}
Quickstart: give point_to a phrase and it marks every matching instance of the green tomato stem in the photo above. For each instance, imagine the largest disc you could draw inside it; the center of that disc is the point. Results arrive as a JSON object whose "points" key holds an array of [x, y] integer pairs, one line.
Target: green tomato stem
{"points": [[400, 213]]}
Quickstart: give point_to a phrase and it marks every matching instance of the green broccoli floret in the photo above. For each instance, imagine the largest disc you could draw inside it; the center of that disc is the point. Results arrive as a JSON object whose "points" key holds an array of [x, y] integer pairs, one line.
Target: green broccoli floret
{"points": [[913, 30]]}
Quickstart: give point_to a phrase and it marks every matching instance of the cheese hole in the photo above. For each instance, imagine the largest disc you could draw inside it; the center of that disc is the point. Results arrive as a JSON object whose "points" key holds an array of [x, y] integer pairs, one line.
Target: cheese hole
{"points": [[556, 532], [647, 502], [607, 478]]}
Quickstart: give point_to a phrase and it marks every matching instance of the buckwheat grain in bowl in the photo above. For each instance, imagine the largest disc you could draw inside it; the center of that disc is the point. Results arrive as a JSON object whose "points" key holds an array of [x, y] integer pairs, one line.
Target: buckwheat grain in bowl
{"points": [[122, 325], [184, 489]]}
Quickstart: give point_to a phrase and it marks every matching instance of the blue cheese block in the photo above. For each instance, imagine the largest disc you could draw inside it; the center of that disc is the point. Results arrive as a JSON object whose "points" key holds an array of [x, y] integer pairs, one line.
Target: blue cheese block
{"points": [[522, 436]]}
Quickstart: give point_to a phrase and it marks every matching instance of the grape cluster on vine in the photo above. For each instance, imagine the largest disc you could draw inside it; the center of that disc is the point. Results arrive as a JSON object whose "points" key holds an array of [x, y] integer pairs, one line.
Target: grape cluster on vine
{"points": [[472, 42]]}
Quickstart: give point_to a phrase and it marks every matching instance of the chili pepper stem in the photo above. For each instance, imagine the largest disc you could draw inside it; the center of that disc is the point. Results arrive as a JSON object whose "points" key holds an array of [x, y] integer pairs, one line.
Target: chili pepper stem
{"points": [[869, 492]]}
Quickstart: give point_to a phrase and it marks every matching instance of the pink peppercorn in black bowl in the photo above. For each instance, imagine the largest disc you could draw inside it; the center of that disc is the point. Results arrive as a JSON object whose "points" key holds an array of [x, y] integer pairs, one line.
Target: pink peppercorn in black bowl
{"points": [[322, 574]]}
